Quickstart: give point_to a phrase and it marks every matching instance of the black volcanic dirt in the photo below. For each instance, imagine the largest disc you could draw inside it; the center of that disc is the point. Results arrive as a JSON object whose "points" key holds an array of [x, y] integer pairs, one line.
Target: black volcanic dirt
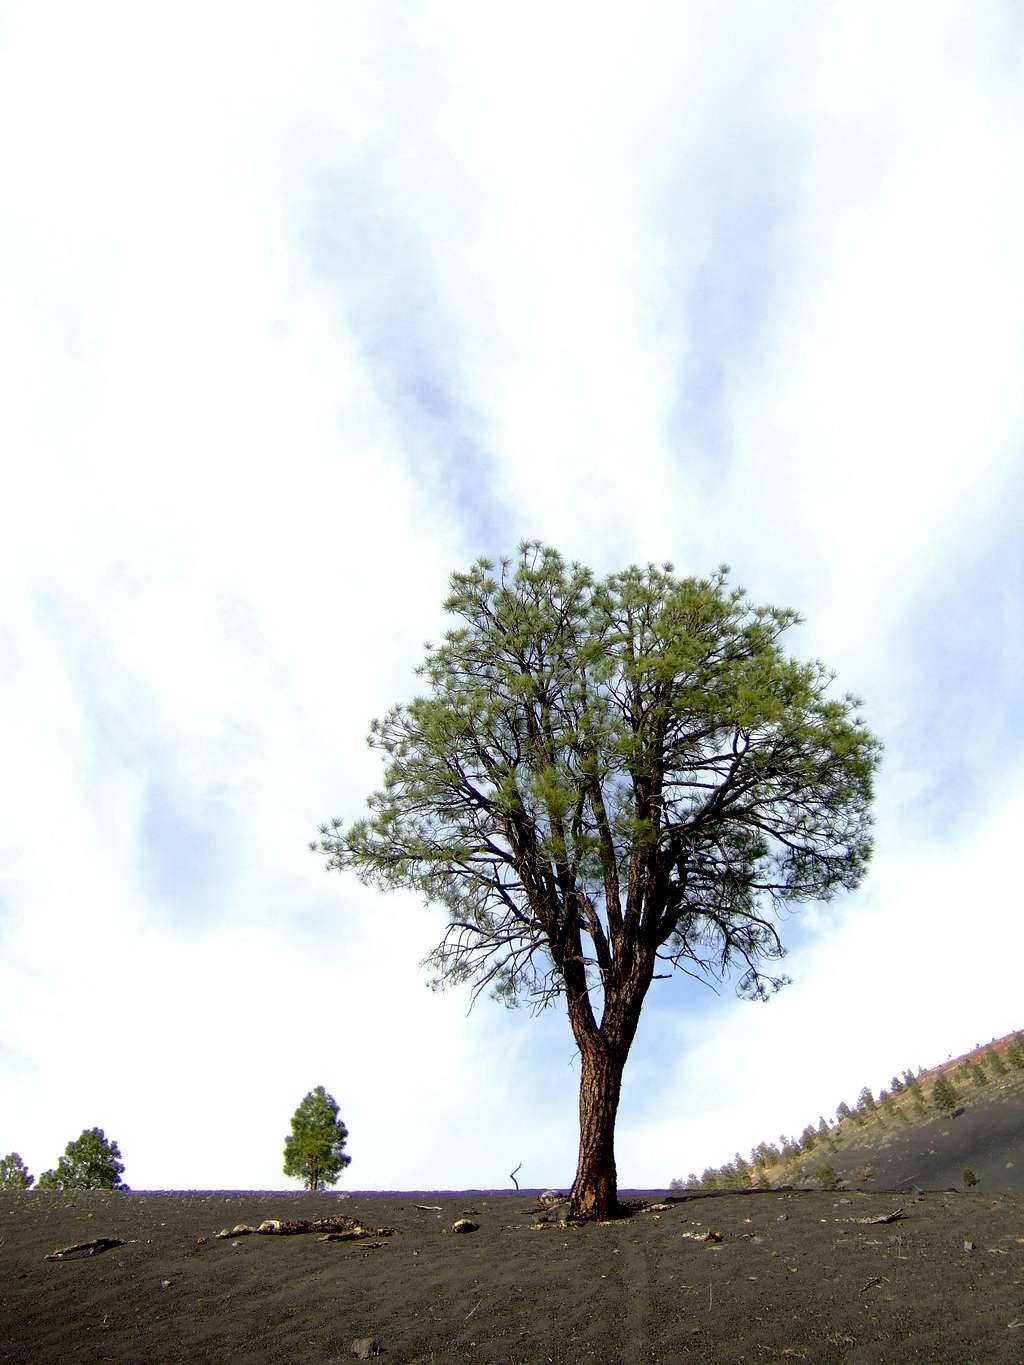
{"points": [[987, 1138], [795, 1276]]}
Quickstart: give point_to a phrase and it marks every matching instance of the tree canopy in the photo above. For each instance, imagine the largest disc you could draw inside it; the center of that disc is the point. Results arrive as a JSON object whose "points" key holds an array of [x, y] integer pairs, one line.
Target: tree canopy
{"points": [[14, 1174], [90, 1162], [637, 750]]}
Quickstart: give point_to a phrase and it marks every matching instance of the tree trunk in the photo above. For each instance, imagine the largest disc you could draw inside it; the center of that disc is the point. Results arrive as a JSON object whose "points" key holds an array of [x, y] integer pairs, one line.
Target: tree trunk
{"points": [[595, 1189]]}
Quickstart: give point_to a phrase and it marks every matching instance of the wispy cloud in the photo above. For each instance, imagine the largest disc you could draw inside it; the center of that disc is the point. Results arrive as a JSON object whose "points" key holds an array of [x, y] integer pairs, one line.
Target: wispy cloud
{"points": [[299, 318]]}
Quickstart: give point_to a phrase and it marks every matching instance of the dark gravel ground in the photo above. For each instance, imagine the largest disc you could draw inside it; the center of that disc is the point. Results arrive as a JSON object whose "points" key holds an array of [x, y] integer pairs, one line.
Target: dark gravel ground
{"points": [[795, 1276], [987, 1138]]}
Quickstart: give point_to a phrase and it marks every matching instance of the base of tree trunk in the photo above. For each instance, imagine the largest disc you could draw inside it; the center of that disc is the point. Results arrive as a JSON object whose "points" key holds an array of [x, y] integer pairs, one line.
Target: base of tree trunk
{"points": [[593, 1203]]}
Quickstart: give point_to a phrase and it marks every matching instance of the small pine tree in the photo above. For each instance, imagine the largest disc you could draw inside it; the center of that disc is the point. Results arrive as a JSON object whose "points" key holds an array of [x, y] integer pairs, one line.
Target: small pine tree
{"points": [[827, 1178], [842, 1111], [944, 1097], [313, 1150], [896, 1085], [978, 1073], [866, 1100], [1015, 1054], [823, 1128], [808, 1139], [91, 1162], [970, 1178], [14, 1173], [995, 1062]]}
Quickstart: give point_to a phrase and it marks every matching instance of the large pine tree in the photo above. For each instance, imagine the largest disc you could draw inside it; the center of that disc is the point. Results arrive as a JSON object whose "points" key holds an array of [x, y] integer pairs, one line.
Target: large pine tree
{"points": [[604, 776]]}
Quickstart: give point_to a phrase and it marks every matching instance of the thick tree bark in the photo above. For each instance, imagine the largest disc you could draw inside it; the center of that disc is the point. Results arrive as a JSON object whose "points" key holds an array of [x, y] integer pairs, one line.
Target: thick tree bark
{"points": [[603, 1053], [595, 1189]]}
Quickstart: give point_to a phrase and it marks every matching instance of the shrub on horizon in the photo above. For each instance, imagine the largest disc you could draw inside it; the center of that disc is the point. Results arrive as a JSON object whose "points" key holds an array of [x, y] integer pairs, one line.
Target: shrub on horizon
{"points": [[313, 1150], [90, 1162], [14, 1174], [970, 1179]]}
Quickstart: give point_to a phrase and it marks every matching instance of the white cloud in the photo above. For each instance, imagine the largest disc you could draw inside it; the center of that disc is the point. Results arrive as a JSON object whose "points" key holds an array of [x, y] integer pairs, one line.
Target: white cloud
{"points": [[299, 318]]}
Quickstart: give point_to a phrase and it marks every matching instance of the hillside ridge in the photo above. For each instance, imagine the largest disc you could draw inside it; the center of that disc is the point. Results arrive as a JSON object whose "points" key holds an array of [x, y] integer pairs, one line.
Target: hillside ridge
{"points": [[958, 1124]]}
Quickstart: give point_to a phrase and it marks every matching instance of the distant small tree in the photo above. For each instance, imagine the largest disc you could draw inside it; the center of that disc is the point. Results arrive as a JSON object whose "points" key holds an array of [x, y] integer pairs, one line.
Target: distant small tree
{"points": [[842, 1111], [896, 1085], [970, 1178], [742, 1169], [90, 1162], [313, 1150], [866, 1100], [14, 1173], [827, 1178], [978, 1073], [823, 1128], [1015, 1054], [944, 1097], [995, 1062], [808, 1139]]}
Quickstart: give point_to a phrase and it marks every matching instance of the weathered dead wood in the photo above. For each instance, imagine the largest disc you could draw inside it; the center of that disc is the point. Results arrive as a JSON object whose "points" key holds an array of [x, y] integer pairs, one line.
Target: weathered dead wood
{"points": [[342, 1228], [877, 1218], [93, 1248]]}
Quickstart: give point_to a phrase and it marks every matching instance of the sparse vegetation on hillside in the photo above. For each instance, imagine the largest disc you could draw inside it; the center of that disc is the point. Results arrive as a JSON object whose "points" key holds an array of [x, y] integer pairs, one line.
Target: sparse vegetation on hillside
{"points": [[905, 1102]]}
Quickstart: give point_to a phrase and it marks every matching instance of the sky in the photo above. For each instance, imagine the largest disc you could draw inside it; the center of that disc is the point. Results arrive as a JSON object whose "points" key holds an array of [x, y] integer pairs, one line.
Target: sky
{"points": [[303, 309]]}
